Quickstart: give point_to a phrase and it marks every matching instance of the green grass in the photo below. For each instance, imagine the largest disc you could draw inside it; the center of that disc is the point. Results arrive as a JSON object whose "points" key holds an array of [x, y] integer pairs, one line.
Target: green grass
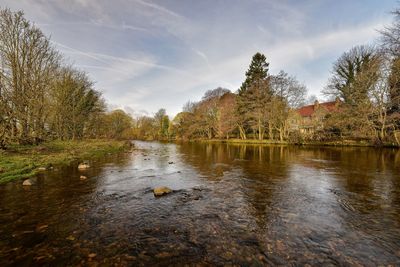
{"points": [[19, 162]]}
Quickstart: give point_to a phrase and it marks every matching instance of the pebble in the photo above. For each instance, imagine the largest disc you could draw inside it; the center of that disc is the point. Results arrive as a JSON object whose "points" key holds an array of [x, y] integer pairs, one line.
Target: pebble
{"points": [[27, 182], [83, 166]]}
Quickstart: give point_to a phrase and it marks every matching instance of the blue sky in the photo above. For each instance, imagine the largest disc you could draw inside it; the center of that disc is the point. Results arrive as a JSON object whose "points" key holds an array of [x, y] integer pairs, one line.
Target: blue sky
{"points": [[148, 54]]}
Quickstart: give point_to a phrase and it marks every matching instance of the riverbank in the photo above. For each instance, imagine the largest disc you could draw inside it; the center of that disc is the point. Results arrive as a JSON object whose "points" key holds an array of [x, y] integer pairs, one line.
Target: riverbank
{"points": [[19, 162], [346, 143]]}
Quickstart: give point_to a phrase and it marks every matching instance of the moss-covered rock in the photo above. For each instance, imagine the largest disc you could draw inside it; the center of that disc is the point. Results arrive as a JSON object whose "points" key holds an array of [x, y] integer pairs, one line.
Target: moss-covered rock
{"points": [[161, 191]]}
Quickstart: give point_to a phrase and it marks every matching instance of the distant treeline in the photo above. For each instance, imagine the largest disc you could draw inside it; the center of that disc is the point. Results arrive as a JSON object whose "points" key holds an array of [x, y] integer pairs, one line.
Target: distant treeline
{"points": [[365, 83], [43, 98]]}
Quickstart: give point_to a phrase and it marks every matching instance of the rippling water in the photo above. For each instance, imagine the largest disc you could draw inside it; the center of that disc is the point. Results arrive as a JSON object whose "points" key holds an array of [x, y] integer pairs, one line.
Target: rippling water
{"points": [[232, 204]]}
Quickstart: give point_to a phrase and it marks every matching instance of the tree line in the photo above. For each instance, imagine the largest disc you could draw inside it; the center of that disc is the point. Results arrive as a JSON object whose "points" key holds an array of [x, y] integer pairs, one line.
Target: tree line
{"points": [[365, 82], [42, 97], [259, 110]]}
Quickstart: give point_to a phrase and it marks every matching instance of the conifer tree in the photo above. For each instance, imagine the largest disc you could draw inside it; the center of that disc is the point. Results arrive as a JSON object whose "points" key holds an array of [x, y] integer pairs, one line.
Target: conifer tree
{"points": [[253, 98]]}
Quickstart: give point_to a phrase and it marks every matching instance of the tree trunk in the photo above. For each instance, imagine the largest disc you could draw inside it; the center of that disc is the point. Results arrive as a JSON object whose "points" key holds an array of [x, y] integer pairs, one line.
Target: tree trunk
{"points": [[396, 137], [270, 134], [242, 133], [260, 134]]}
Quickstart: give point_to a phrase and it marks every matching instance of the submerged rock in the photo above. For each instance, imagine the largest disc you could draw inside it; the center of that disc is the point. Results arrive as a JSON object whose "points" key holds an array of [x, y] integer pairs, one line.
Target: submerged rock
{"points": [[46, 168], [83, 166], [163, 255], [70, 238], [27, 182], [160, 191], [92, 255]]}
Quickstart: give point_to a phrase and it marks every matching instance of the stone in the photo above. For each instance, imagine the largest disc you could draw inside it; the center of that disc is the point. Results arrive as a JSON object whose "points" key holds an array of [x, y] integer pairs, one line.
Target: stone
{"points": [[83, 166], [83, 177], [41, 228], [27, 182], [171, 162], [163, 255], [46, 168], [161, 191], [92, 255]]}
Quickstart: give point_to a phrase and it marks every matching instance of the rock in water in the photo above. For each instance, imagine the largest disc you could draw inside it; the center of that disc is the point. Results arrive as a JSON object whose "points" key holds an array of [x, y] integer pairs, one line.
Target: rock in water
{"points": [[160, 191], [92, 255], [83, 177], [83, 166], [27, 182], [46, 168]]}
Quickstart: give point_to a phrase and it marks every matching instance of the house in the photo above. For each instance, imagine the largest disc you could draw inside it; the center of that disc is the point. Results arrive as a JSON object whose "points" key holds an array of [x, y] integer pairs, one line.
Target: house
{"points": [[309, 119]]}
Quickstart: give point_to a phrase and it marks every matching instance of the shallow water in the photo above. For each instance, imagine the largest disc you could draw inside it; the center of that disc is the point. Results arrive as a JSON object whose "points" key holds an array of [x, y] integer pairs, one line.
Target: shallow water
{"points": [[232, 204]]}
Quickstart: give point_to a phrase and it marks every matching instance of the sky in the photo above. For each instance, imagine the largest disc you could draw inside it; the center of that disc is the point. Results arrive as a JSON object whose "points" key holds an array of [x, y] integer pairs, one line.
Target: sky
{"points": [[149, 54]]}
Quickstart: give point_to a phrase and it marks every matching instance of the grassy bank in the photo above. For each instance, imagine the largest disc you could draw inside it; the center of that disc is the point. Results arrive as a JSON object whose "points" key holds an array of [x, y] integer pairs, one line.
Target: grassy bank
{"points": [[314, 143], [18, 162]]}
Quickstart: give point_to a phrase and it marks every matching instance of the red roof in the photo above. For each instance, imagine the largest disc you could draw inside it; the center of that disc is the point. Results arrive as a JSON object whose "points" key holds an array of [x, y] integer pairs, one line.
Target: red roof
{"points": [[308, 111]]}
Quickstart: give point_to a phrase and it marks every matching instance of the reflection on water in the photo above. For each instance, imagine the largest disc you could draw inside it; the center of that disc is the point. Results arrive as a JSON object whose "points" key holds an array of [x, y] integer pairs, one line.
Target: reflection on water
{"points": [[232, 204]]}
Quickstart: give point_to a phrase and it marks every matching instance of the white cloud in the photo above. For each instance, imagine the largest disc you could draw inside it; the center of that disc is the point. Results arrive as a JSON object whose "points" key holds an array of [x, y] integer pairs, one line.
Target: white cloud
{"points": [[158, 8]]}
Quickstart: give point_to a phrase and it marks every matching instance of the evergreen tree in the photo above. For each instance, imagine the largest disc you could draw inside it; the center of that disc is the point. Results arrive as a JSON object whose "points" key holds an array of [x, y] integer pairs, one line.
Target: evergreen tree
{"points": [[257, 72], [253, 98]]}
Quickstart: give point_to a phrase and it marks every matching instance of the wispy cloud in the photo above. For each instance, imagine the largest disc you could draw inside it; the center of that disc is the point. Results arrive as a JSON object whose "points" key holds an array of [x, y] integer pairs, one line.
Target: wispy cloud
{"points": [[158, 8], [108, 59], [68, 49], [309, 48]]}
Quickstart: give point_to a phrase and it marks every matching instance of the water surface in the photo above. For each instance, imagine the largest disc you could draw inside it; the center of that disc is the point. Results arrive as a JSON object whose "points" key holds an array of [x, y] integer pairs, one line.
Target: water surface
{"points": [[232, 204]]}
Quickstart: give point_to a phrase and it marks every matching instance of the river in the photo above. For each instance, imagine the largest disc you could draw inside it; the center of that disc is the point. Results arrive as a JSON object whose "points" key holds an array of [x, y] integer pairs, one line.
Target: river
{"points": [[231, 205]]}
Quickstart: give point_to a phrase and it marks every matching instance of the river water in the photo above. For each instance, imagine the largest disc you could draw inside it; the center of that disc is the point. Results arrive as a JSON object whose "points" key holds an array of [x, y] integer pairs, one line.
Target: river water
{"points": [[232, 205]]}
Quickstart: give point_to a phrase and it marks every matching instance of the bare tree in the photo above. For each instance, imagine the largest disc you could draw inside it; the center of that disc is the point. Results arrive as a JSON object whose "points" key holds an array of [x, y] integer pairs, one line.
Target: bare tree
{"points": [[391, 35], [28, 62], [289, 89], [215, 93], [74, 102], [346, 73]]}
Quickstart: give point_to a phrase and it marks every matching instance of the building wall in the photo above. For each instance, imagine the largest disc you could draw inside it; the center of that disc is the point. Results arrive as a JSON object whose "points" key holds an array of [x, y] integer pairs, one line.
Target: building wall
{"points": [[308, 125]]}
